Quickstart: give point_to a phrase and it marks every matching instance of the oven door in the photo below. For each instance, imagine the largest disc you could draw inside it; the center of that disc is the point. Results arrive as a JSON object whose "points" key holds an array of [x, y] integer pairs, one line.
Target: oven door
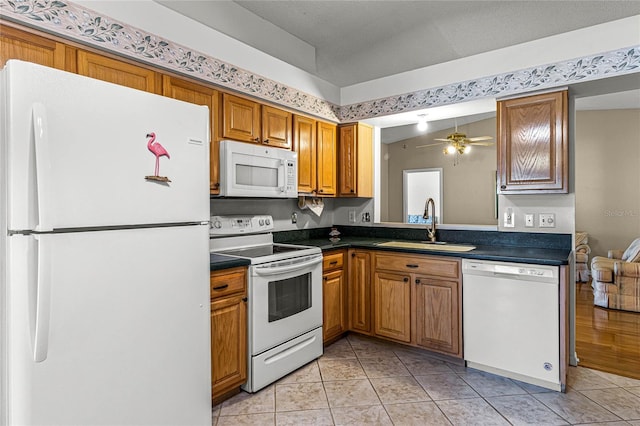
{"points": [[285, 301]]}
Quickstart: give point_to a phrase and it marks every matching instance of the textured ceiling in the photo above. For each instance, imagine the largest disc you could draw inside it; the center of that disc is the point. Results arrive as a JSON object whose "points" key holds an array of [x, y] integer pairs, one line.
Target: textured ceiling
{"points": [[348, 42]]}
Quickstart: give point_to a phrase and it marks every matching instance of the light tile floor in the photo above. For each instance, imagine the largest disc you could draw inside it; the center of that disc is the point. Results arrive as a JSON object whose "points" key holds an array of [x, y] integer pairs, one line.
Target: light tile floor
{"points": [[362, 381]]}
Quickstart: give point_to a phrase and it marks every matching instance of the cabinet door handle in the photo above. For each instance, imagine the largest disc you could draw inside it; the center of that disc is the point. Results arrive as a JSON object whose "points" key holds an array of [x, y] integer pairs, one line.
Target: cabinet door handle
{"points": [[221, 287], [266, 141], [353, 191], [325, 278], [216, 185], [353, 255], [257, 140], [335, 262], [319, 190], [244, 299], [417, 281], [503, 186], [405, 279], [412, 266]]}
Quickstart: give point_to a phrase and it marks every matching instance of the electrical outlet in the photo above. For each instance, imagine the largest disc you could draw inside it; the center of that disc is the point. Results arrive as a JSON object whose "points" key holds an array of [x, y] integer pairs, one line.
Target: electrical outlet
{"points": [[366, 217], [294, 217], [352, 216], [547, 220], [529, 220], [509, 218]]}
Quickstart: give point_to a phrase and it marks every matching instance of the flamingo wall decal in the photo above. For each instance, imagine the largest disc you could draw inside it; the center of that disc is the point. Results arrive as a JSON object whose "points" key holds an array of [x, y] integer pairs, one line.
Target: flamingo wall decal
{"points": [[159, 151]]}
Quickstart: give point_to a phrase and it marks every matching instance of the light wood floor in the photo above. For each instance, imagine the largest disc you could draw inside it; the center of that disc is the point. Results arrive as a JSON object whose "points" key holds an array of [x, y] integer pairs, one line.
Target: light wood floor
{"points": [[606, 339]]}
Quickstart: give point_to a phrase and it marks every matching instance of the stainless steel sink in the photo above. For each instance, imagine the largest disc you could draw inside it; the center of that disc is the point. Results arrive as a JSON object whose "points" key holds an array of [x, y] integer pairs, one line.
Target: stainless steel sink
{"points": [[438, 246]]}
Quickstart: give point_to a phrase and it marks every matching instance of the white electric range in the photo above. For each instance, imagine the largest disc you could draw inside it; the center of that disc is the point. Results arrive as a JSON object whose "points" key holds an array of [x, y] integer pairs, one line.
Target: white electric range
{"points": [[284, 300]]}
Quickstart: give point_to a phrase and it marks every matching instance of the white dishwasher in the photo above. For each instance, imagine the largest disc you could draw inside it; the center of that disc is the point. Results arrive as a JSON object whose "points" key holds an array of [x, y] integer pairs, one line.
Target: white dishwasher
{"points": [[511, 320]]}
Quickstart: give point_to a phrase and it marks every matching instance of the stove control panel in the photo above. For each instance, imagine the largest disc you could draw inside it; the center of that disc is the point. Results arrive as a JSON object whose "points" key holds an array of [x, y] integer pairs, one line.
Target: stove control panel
{"points": [[234, 225]]}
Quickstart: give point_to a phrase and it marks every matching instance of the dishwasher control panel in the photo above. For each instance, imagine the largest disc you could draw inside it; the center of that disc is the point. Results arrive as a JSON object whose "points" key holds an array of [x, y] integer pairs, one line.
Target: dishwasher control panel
{"points": [[515, 270]]}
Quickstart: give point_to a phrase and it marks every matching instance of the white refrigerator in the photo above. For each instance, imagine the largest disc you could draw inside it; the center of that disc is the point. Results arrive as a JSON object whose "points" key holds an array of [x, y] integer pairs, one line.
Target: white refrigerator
{"points": [[104, 295]]}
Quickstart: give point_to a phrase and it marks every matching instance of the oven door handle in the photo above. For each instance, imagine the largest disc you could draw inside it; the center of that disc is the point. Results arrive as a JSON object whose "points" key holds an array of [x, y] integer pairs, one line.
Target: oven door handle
{"points": [[289, 268]]}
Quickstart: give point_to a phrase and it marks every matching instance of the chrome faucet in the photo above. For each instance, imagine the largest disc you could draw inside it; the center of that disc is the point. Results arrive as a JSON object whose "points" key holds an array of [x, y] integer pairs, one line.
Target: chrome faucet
{"points": [[431, 230]]}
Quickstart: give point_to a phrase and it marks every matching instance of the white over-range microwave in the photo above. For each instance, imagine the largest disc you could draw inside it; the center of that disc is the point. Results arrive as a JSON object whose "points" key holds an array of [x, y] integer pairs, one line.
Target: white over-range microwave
{"points": [[248, 170]]}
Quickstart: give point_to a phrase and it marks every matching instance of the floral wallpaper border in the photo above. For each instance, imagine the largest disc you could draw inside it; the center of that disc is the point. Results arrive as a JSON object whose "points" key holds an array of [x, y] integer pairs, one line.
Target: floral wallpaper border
{"points": [[85, 26]]}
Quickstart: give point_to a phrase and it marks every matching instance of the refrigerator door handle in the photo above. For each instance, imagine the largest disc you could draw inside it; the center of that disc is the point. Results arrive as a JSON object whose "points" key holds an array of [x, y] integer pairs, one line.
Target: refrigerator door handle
{"points": [[42, 301], [43, 166]]}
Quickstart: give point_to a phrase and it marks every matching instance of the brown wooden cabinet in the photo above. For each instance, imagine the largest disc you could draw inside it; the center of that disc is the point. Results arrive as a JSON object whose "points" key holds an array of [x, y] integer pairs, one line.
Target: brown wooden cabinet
{"points": [[355, 178], [533, 155], [118, 72], [201, 95], [418, 301], [22, 45], [392, 305], [248, 121], [334, 321], [437, 314], [315, 143], [228, 331], [359, 292]]}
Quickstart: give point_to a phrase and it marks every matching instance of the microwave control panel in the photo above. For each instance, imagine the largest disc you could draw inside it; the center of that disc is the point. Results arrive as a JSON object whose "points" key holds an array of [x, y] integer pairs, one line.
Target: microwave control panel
{"points": [[291, 176]]}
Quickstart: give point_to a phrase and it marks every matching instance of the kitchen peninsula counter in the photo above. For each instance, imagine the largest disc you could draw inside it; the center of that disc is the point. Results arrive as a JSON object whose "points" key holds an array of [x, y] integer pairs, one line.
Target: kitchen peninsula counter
{"points": [[539, 256]]}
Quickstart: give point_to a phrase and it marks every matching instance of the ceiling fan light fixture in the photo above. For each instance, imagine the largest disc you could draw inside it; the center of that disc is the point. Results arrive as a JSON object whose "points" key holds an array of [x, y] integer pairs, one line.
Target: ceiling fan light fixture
{"points": [[450, 149], [467, 149]]}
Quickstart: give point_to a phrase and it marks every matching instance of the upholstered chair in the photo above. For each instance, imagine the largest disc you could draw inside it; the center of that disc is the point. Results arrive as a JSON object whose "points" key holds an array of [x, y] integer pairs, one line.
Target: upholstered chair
{"points": [[582, 257], [616, 279]]}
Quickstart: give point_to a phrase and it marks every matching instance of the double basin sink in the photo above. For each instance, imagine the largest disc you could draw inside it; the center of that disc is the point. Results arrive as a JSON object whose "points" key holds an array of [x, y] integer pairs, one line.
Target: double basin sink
{"points": [[426, 245]]}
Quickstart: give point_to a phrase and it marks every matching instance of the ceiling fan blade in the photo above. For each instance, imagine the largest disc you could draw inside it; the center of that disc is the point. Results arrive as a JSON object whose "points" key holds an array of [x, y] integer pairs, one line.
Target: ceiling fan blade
{"points": [[431, 144], [481, 143], [443, 140], [480, 138]]}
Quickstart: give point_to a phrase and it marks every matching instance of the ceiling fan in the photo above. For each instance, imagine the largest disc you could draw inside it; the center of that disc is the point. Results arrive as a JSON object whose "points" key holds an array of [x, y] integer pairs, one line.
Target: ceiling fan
{"points": [[458, 142]]}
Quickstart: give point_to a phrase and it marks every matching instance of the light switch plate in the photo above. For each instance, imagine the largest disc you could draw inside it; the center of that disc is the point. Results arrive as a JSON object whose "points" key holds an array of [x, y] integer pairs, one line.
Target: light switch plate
{"points": [[509, 218], [547, 220]]}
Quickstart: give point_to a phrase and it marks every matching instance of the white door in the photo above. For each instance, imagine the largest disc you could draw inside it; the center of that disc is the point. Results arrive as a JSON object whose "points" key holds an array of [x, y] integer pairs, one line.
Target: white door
{"points": [[115, 331], [78, 154]]}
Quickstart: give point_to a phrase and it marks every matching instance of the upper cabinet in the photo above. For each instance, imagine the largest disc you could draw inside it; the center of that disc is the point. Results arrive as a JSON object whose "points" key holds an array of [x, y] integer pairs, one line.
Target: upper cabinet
{"points": [[118, 72], [17, 44], [356, 160], [200, 95], [315, 143], [533, 154], [248, 121]]}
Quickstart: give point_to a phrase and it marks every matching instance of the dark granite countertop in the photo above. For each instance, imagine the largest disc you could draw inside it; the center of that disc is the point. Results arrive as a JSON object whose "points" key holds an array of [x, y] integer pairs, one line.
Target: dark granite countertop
{"points": [[219, 261], [540, 256]]}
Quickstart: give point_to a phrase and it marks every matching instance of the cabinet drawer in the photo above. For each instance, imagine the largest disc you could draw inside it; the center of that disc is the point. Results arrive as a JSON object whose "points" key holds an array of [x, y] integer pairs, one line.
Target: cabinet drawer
{"points": [[228, 281], [332, 261], [418, 264]]}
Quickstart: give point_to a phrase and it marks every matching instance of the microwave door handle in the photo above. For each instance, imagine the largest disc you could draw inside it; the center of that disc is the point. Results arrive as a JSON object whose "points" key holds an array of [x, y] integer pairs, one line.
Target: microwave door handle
{"points": [[289, 268]]}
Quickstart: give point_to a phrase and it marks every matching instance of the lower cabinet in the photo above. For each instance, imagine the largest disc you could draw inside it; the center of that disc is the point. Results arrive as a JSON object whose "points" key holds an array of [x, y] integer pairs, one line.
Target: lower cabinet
{"points": [[334, 295], [416, 300], [359, 303], [437, 315], [228, 331], [392, 301]]}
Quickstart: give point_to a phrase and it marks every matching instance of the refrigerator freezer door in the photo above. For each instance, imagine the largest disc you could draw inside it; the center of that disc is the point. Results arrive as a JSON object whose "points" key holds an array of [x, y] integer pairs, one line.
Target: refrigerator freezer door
{"points": [[79, 153], [127, 319]]}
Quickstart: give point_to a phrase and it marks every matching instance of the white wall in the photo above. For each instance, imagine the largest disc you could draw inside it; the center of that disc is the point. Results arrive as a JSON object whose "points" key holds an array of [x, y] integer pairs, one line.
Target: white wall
{"points": [[162, 21], [584, 42]]}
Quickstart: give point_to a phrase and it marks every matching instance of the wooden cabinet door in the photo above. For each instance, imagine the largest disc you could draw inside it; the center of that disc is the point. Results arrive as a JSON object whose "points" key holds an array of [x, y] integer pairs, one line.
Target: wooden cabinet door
{"points": [[201, 95], [438, 315], [533, 144], [355, 159], [240, 119], [360, 291], [304, 143], [326, 164], [122, 73], [17, 44], [392, 300], [228, 344], [276, 127], [333, 321], [347, 160]]}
